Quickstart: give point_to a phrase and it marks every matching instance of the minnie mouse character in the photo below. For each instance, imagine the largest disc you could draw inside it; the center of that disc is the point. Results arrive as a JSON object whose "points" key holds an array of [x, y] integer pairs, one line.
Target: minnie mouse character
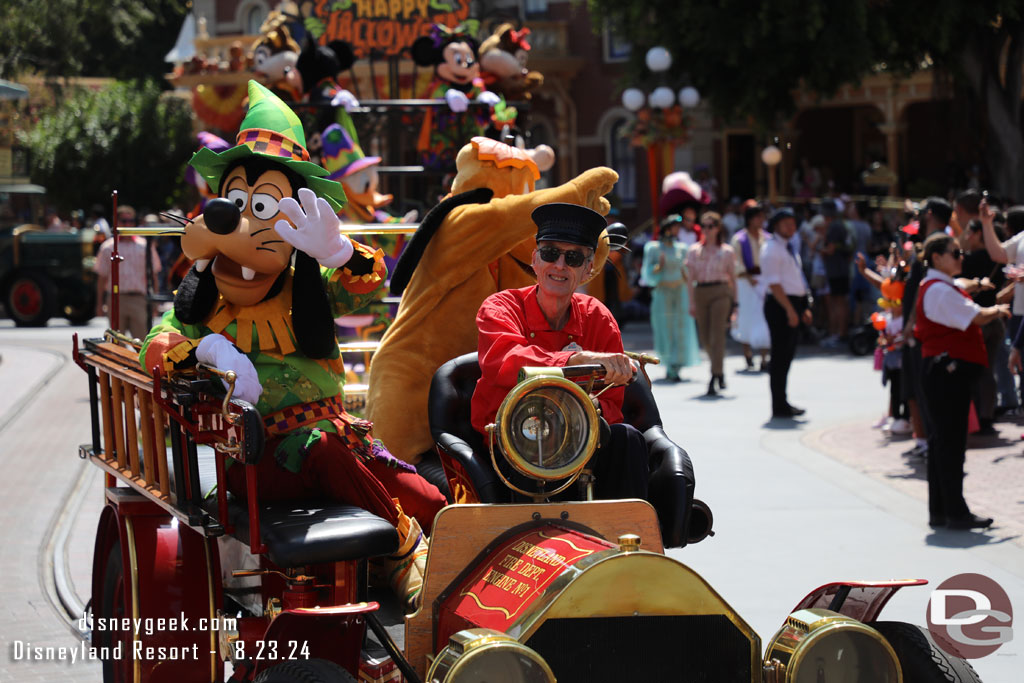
{"points": [[453, 54]]}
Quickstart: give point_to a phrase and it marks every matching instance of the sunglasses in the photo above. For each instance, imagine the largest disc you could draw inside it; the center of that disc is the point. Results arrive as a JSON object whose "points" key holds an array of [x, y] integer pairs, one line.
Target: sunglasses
{"points": [[956, 253], [573, 257]]}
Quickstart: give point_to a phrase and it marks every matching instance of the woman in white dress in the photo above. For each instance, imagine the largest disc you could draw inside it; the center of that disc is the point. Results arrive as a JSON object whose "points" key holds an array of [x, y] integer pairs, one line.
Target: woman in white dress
{"points": [[751, 329]]}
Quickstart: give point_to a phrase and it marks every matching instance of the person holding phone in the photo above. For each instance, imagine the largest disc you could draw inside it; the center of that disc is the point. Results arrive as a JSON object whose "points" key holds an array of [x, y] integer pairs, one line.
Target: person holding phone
{"points": [[948, 328]]}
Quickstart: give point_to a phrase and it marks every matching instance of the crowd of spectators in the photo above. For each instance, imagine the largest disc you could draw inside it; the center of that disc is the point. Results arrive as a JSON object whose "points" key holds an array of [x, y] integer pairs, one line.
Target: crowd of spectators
{"points": [[949, 361]]}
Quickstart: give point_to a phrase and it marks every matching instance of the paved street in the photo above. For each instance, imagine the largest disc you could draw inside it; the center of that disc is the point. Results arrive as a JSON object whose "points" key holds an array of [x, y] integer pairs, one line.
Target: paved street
{"points": [[796, 504]]}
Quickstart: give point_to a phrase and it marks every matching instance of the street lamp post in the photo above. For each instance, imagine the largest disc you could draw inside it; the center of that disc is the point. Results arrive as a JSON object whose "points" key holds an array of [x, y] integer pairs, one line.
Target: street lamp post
{"points": [[771, 156], [660, 119]]}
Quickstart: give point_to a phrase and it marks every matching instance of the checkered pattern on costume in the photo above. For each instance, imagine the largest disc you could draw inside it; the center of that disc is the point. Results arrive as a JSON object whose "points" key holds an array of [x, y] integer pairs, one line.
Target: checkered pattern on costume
{"points": [[301, 414], [271, 143], [354, 431]]}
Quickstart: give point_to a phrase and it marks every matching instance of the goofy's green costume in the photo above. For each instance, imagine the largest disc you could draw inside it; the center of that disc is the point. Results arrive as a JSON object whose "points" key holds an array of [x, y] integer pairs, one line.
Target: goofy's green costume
{"points": [[271, 273]]}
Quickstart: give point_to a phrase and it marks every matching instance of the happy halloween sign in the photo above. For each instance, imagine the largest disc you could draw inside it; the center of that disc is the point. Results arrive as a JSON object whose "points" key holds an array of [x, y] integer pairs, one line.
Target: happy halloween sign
{"points": [[384, 26]]}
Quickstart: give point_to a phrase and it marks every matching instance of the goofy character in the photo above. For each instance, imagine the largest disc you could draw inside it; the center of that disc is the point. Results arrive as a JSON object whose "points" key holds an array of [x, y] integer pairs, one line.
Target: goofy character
{"points": [[271, 273]]}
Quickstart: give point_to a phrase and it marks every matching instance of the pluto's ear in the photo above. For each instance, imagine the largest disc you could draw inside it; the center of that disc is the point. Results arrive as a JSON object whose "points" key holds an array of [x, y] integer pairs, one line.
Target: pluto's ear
{"points": [[196, 296], [312, 321]]}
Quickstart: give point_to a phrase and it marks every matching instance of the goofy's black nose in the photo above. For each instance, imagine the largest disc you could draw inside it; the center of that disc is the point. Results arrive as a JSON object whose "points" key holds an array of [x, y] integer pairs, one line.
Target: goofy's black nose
{"points": [[221, 216]]}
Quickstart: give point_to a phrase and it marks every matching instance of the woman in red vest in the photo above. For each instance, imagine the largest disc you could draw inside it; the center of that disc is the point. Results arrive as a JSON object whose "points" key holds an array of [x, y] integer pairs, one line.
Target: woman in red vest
{"points": [[948, 328]]}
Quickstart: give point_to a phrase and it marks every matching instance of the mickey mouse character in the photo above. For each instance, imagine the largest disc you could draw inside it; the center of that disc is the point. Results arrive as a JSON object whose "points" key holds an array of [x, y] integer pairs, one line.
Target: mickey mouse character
{"points": [[454, 55], [271, 273], [319, 66]]}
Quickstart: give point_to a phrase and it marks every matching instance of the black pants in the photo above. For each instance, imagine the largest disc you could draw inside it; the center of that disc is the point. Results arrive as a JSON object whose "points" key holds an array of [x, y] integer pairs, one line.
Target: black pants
{"points": [[985, 389], [897, 406], [913, 382], [947, 400], [784, 340], [620, 466]]}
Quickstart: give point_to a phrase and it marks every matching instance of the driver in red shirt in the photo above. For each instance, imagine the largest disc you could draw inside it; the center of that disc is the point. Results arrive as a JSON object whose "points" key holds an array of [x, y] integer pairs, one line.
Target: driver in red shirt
{"points": [[549, 324]]}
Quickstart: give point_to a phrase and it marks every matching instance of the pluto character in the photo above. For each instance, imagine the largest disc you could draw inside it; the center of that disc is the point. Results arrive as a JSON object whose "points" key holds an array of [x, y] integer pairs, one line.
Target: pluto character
{"points": [[474, 243]]}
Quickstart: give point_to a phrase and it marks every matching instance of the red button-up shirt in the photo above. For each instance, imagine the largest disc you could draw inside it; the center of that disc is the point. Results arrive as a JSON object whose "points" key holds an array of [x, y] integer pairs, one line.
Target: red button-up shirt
{"points": [[515, 334]]}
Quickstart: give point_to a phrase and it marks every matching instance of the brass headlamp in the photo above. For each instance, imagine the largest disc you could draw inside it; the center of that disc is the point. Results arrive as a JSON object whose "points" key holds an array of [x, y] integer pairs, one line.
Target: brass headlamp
{"points": [[546, 428], [483, 654], [819, 644]]}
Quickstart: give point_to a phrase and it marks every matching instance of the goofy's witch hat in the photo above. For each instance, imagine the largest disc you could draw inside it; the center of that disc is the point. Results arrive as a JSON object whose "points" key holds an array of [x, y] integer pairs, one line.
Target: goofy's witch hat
{"points": [[269, 129]]}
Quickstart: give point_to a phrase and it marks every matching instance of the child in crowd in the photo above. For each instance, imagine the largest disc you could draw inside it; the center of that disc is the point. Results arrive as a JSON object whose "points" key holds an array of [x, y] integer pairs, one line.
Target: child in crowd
{"points": [[890, 340]]}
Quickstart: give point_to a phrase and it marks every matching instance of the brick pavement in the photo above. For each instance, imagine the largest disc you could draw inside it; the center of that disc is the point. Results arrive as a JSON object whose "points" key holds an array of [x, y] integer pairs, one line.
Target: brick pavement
{"points": [[995, 468]]}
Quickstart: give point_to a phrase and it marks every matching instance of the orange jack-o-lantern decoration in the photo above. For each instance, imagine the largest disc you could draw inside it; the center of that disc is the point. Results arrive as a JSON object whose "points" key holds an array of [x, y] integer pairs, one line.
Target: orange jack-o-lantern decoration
{"points": [[893, 289]]}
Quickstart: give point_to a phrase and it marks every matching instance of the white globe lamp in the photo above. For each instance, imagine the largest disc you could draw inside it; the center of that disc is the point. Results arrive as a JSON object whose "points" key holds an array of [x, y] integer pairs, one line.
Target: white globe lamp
{"points": [[689, 97], [633, 99], [658, 59], [661, 98]]}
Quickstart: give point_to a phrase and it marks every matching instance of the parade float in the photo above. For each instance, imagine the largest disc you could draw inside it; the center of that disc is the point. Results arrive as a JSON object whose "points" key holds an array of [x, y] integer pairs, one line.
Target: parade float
{"points": [[529, 591], [518, 585]]}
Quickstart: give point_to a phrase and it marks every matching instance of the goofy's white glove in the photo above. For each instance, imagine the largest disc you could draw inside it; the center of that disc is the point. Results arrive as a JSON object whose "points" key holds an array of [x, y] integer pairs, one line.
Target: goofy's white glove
{"points": [[217, 351], [316, 229], [343, 98], [457, 100]]}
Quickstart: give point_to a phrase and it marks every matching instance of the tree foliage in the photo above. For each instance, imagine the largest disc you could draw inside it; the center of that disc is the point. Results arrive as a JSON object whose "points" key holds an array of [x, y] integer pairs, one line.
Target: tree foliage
{"points": [[126, 136], [112, 38], [748, 56]]}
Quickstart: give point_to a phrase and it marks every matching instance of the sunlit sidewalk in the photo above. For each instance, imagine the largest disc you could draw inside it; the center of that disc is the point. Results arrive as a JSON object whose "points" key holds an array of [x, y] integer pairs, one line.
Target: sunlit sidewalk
{"points": [[995, 469]]}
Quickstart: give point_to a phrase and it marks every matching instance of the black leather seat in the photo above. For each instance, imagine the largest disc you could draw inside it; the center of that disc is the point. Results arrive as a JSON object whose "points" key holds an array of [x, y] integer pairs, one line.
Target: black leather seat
{"points": [[306, 532], [671, 484]]}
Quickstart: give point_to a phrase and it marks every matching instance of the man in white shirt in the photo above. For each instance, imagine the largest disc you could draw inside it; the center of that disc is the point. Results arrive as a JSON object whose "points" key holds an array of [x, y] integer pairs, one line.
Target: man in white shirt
{"points": [[785, 306], [1009, 251]]}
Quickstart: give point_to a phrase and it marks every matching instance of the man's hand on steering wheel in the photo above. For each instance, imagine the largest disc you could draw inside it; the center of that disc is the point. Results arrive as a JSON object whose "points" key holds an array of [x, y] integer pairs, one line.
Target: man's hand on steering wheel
{"points": [[618, 368]]}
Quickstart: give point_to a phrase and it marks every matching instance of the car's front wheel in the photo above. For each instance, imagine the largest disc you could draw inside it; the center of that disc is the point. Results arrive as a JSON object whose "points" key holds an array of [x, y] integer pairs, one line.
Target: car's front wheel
{"points": [[30, 299], [921, 659]]}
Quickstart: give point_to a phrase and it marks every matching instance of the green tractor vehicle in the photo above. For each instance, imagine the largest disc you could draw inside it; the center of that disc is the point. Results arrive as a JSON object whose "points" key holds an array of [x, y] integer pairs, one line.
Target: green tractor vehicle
{"points": [[42, 274]]}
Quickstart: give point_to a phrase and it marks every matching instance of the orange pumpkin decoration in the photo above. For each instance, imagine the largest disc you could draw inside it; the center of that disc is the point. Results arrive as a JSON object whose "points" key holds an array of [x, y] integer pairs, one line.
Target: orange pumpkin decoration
{"points": [[893, 289]]}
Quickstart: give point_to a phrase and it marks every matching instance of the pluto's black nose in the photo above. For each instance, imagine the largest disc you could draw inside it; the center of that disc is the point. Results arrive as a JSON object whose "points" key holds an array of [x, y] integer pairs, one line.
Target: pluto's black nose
{"points": [[221, 216]]}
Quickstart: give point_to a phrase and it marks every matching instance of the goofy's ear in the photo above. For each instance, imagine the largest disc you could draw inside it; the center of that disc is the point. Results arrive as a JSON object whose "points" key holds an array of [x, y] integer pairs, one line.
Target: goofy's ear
{"points": [[196, 296], [311, 309]]}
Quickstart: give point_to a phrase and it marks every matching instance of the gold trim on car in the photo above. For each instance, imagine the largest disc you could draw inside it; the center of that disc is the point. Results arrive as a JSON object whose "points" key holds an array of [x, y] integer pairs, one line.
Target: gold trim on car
{"points": [[805, 629], [625, 583], [460, 661], [515, 458], [133, 568]]}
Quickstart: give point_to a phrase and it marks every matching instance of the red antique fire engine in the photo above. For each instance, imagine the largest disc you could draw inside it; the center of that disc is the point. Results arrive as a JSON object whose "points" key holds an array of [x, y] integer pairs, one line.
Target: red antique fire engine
{"points": [[529, 590]]}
